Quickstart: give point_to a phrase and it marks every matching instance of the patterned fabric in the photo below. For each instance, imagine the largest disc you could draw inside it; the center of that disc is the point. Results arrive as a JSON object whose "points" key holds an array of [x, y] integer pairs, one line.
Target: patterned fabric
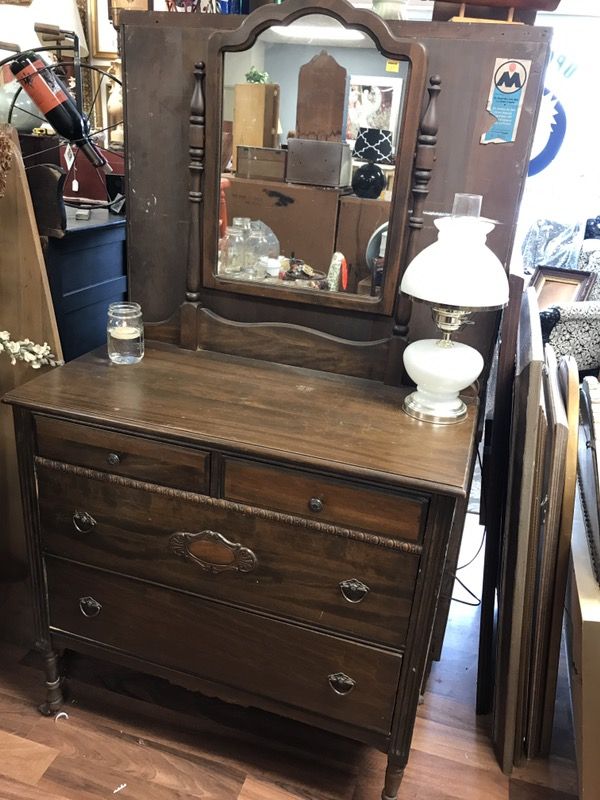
{"points": [[373, 144], [589, 261], [574, 329]]}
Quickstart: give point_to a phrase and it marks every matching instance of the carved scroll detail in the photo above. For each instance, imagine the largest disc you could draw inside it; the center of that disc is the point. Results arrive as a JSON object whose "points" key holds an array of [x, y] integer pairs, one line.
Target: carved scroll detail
{"points": [[196, 194], [238, 508], [236, 557]]}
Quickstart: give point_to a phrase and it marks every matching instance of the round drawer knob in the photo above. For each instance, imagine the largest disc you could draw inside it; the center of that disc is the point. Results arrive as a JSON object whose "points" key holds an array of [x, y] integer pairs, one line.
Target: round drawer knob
{"points": [[89, 607], [113, 459], [315, 504], [353, 590], [341, 683], [83, 522]]}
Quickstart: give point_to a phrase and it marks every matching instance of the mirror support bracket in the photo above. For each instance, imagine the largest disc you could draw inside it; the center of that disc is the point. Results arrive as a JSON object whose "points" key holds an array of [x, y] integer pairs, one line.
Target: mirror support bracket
{"points": [[196, 193]]}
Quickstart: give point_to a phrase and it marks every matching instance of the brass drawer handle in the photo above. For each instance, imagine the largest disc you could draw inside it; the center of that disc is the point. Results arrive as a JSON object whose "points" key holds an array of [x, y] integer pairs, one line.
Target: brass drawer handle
{"points": [[353, 590], [316, 504], [89, 607], [83, 522], [113, 459], [341, 683], [213, 552]]}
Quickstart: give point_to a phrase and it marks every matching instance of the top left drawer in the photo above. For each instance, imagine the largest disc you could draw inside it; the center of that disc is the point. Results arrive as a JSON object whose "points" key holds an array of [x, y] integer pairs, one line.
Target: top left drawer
{"points": [[122, 454]]}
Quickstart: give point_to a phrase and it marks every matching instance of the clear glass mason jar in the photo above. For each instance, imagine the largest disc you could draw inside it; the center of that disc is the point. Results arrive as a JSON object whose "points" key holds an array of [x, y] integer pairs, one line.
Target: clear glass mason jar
{"points": [[125, 333]]}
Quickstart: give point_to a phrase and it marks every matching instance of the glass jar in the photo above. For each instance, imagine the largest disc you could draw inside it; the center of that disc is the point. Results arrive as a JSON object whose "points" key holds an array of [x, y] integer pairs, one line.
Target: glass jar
{"points": [[232, 252], [125, 333]]}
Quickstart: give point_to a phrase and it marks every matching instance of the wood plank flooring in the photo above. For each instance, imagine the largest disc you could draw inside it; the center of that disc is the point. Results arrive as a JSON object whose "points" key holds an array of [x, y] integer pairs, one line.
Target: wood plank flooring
{"points": [[134, 737]]}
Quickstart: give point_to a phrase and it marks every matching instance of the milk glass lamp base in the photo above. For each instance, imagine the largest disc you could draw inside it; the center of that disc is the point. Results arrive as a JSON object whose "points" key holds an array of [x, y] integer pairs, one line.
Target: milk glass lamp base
{"points": [[441, 369], [423, 406]]}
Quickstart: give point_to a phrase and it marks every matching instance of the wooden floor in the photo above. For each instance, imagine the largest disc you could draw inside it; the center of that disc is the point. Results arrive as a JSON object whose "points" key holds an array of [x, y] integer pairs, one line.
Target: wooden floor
{"points": [[133, 737]]}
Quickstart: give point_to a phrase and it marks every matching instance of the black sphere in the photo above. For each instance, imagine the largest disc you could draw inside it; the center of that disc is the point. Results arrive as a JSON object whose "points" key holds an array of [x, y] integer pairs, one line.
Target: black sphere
{"points": [[368, 181]]}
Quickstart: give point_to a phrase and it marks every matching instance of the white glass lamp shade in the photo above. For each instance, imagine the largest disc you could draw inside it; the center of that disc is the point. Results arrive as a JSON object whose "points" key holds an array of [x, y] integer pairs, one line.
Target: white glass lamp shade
{"points": [[458, 269]]}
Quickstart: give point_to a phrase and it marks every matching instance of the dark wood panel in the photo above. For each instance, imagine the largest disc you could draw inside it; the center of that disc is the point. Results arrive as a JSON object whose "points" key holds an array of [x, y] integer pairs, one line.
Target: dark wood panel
{"points": [[119, 454], [331, 422], [236, 648], [293, 345], [325, 500], [297, 570]]}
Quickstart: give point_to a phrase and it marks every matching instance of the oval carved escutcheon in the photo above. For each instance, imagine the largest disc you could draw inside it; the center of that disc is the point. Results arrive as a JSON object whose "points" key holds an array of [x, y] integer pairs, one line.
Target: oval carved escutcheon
{"points": [[212, 551]]}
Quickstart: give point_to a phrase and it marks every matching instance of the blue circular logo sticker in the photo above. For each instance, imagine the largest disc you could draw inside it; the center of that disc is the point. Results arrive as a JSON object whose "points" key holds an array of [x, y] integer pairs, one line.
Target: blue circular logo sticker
{"points": [[550, 133]]}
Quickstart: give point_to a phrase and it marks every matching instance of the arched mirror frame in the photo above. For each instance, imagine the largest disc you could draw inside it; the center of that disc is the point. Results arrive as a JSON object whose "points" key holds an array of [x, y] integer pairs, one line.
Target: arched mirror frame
{"points": [[205, 143]]}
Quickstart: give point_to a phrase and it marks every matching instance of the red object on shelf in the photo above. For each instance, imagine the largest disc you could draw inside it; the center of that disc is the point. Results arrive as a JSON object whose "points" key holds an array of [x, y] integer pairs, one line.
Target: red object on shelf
{"points": [[92, 181]]}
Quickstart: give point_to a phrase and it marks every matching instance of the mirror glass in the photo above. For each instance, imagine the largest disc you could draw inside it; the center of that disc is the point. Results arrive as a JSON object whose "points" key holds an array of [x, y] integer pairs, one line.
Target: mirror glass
{"points": [[312, 119]]}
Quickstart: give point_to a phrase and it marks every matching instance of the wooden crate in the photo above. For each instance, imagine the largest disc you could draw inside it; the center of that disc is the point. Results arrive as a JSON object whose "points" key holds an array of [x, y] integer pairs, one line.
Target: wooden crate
{"points": [[266, 163]]}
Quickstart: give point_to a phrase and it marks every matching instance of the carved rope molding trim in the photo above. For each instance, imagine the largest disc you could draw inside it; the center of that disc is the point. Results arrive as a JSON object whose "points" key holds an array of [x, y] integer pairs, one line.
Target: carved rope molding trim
{"points": [[227, 505]]}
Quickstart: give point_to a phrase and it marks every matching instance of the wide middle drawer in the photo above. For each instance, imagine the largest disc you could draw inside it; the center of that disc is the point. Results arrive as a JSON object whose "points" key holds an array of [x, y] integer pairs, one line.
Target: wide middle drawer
{"points": [[212, 548], [301, 668]]}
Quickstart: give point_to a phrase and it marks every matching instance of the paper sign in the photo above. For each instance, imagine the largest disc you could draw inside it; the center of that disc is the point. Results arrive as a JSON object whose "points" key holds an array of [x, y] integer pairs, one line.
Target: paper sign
{"points": [[505, 101]]}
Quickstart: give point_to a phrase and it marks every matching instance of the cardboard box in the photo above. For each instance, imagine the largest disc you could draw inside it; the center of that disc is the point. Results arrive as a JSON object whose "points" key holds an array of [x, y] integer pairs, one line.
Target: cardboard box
{"points": [[302, 217], [319, 163], [266, 163]]}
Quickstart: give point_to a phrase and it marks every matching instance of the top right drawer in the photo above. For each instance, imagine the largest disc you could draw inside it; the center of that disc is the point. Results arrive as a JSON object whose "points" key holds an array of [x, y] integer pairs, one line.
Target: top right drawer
{"points": [[324, 499]]}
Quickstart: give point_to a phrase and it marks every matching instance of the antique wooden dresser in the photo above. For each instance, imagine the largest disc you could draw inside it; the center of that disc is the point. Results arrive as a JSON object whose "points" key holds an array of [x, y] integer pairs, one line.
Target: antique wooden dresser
{"points": [[271, 535], [248, 511]]}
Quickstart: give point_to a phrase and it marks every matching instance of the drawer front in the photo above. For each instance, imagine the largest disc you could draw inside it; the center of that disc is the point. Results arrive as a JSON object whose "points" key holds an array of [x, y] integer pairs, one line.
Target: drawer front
{"points": [[325, 499], [121, 454], [281, 568], [272, 659]]}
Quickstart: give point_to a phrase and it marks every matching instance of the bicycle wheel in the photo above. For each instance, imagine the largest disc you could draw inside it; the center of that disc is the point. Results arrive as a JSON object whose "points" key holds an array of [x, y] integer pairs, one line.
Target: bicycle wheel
{"points": [[85, 185]]}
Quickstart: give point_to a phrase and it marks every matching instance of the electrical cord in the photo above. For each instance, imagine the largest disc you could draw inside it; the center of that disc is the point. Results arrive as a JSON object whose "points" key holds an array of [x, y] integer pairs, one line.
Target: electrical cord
{"points": [[471, 560]]}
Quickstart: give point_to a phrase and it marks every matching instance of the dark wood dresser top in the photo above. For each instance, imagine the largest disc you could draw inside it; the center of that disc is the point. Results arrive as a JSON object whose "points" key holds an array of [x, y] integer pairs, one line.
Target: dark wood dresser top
{"points": [[267, 410]]}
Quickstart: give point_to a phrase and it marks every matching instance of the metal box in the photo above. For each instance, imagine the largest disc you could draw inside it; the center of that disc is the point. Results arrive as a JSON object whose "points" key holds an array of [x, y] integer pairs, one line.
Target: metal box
{"points": [[319, 163]]}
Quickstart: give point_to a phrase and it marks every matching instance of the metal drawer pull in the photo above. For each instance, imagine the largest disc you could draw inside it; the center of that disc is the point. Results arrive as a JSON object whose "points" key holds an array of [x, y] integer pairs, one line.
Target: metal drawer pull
{"points": [[89, 607], [315, 504], [83, 522], [341, 683], [353, 590], [113, 459], [212, 552]]}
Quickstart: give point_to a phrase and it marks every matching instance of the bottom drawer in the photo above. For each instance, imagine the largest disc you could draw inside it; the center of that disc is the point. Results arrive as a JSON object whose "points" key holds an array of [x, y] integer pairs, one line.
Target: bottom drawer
{"points": [[272, 659]]}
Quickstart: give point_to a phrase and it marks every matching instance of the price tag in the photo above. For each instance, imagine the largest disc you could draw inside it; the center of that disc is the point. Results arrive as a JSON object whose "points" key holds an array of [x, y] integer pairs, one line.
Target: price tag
{"points": [[75, 185], [69, 156], [392, 66]]}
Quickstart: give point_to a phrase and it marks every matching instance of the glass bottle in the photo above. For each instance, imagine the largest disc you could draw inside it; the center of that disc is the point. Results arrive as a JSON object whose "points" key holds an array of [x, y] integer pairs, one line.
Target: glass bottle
{"points": [[232, 252], [125, 333]]}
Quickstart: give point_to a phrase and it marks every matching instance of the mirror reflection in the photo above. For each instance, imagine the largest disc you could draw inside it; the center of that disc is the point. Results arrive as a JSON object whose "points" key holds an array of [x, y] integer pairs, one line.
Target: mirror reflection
{"points": [[311, 123]]}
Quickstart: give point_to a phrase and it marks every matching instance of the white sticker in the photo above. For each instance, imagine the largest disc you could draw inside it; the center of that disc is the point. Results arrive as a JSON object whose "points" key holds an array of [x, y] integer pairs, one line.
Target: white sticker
{"points": [[505, 100], [69, 156]]}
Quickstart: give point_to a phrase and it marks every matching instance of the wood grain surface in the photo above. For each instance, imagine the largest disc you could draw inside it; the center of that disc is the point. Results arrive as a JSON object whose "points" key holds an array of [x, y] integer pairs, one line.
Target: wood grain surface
{"points": [[332, 422], [166, 743], [297, 572], [279, 661]]}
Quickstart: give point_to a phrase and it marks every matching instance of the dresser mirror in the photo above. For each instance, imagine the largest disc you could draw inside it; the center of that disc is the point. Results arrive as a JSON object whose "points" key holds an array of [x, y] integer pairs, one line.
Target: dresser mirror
{"points": [[306, 188]]}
